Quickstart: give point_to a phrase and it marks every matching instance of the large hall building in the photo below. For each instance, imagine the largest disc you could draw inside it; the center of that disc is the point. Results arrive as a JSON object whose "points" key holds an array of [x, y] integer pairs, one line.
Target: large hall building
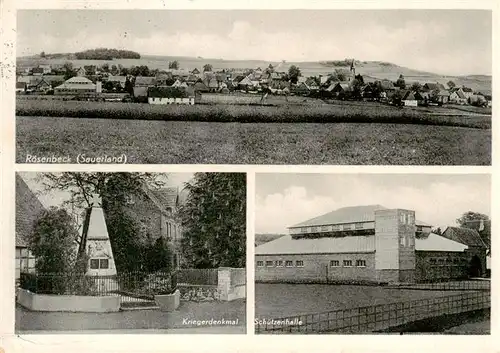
{"points": [[370, 244]]}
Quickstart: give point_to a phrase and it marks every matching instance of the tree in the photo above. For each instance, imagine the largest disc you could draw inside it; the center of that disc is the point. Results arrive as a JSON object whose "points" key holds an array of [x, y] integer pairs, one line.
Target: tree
{"points": [[68, 70], [356, 85], [129, 86], [338, 75], [108, 86], [174, 65], [471, 216], [114, 70], [401, 82], [141, 70], [437, 231], [130, 245], [416, 86], [207, 67], [159, 257], [53, 241], [451, 84], [42, 54], [213, 221], [105, 67], [294, 73]]}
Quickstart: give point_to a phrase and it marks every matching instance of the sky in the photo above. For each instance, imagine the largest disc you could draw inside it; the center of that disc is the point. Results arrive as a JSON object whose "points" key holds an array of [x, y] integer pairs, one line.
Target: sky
{"points": [[449, 42], [57, 197], [283, 200]]}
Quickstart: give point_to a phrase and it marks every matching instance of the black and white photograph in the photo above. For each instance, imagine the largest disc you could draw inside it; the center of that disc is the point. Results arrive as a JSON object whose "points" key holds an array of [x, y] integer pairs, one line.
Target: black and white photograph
{"points": [[280, 87], [373, 253], [130, 253]]}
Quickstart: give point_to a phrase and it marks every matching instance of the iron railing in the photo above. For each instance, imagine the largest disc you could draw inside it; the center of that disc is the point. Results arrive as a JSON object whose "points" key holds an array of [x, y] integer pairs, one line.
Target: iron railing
{"points": [[378, 317], [134, 284]]}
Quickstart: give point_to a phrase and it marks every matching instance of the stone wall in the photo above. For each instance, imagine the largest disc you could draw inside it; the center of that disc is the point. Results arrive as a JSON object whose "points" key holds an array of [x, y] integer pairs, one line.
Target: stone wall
{"points": [[231, 286], [71, 303]]}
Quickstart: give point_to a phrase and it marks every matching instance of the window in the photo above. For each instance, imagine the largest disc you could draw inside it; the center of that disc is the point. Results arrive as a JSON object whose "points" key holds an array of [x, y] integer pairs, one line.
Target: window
{"points": [[103, 263], [361, 263], [260, 263], [288, 263], [269, 263], [324, 228], [347, 226], [279, 263], [299, 263], [25, 261], [358, 226], [402, 241], [303, 230], [315, 229], [96, 264], [347, 263], [334, 263], [336, 227]]}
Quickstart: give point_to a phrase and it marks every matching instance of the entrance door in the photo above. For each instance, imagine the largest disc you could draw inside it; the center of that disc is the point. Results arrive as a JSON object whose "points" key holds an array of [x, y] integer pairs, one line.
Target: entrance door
{"points": [[475, 267]]}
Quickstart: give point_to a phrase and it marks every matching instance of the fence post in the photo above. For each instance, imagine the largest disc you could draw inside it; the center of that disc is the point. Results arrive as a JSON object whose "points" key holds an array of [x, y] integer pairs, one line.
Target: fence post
{"points": [[224, 283]]}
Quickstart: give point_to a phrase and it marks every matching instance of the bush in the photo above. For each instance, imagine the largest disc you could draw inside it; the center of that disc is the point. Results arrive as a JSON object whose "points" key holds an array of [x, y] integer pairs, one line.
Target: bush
{"points": [[60, 284], [348, 112]]}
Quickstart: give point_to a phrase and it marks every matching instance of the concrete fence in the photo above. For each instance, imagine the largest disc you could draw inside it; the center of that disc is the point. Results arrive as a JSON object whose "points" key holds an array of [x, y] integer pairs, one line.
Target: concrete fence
{"points": [[232, 283], [72, 303], [377, 318]]}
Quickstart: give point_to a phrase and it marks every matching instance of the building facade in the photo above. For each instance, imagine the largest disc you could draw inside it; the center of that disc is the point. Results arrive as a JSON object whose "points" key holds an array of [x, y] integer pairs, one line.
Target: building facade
{"points": [[28, 208], [365, 244]]}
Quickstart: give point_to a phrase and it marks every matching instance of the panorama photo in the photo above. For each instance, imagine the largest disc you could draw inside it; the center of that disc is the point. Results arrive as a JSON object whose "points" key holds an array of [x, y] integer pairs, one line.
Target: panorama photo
{"points": [[372, 253], [351, 87]]}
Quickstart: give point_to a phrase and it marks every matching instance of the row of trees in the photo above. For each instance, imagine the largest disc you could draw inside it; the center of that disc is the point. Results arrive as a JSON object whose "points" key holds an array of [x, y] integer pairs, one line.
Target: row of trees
{"points": [[213, 219]]}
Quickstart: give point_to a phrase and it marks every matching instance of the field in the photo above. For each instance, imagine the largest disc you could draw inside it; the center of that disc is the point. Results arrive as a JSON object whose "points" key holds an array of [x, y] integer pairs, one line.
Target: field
{"points": [[181, 142], [284, 300], [352, 112]]}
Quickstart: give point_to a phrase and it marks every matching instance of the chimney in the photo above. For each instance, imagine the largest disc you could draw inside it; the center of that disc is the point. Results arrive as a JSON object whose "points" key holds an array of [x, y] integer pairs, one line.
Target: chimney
{"points": [[98, 87]]}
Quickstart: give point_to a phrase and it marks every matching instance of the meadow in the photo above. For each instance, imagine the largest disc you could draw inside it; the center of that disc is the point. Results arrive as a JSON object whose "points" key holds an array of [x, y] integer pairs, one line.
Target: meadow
{"points": [[342, 112], [192, 142], [284, 300]]}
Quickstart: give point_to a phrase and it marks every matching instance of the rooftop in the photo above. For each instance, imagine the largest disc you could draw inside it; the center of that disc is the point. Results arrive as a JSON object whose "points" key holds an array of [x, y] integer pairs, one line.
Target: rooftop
{"points": [[351, 244], [28, 207], [343, 215]]}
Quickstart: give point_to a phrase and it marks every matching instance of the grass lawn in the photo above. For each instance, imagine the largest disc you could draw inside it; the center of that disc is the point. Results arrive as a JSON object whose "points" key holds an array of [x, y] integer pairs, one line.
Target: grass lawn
{"points": [[177, 142], [284, 300]]}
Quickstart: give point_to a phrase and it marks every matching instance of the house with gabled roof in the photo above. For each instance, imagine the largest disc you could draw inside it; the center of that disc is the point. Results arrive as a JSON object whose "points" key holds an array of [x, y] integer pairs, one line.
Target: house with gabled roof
{"points": [[28, 209], [76, 85], [429, 86], [369, 243], [457, 96], [21, 87], [144, 81], [244, 83], [468, 92], [156, 211], [118, 81], [302, 89], [411, 98]]}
